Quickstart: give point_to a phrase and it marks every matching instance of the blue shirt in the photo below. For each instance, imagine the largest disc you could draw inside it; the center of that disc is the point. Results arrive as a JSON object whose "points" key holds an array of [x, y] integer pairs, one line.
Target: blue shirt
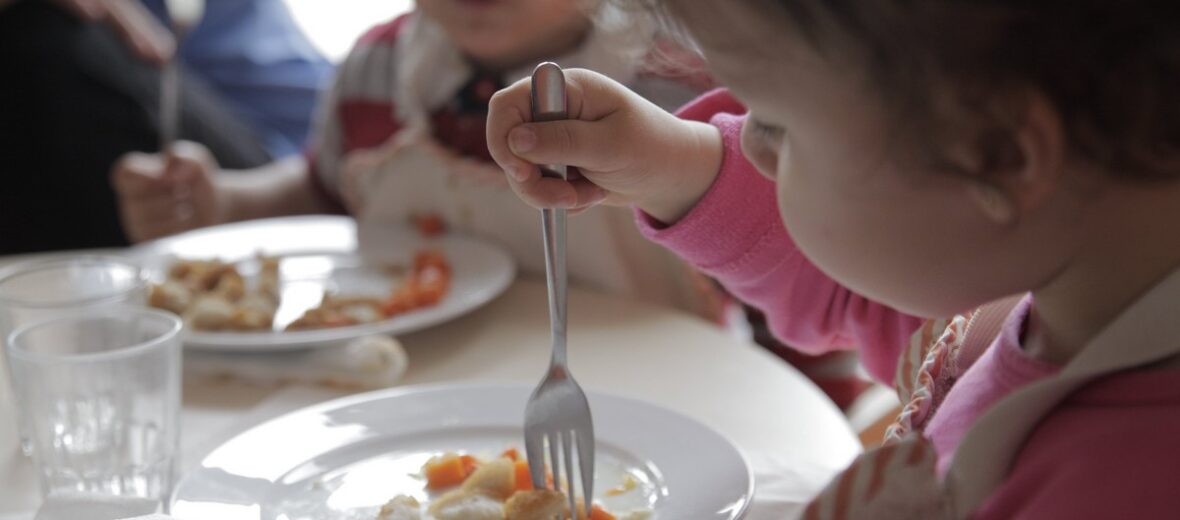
{"points": [[253, 55]]}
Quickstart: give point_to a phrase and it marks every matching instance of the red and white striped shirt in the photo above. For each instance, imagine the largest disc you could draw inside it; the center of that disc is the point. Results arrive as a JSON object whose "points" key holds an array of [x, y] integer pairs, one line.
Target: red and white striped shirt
{"points": [[406, 76]]}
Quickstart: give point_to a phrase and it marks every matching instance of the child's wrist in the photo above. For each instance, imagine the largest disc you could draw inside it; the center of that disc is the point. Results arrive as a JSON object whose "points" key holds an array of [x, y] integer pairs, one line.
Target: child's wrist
{"points": [[698, 153]]}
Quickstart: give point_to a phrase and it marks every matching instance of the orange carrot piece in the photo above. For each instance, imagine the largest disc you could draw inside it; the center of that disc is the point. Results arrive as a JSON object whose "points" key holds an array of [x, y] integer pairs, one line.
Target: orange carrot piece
{"points": [[431, 287], [598, 513], [524, 481], [511, 453], [401, 300], [445, 472], [431, 258], [429, 224], [427, 284], [469, 464]]}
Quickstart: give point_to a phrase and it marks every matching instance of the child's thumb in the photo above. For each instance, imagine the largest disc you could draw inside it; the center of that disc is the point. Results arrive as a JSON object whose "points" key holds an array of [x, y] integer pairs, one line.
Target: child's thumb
{"points": [[574, 143]]}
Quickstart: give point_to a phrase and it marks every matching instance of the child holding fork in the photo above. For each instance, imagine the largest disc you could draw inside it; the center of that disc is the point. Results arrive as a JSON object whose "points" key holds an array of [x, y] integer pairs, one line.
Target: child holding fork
{"points": [[991, 214]]}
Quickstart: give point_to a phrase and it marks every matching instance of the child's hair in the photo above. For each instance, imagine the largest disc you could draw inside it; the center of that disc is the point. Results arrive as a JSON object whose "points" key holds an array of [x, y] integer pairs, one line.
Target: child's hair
{"points": [[1110, 68]]}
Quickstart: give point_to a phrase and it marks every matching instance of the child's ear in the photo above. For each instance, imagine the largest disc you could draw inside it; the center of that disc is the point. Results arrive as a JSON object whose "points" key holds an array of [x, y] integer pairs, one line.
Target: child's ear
{"points": [[1019, 169]]}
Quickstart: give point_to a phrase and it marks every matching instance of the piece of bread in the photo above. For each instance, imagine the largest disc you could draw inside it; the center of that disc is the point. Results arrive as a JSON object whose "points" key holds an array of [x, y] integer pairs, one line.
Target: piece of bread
{"points": [[535, 504], [171, 296], [209, 313], [401, 507], [495, 478], [463, 505]]}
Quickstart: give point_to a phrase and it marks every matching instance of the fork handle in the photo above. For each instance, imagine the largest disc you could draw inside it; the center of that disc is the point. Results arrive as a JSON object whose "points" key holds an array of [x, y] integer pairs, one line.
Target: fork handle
{"points": [[549, 104], [169, 104], [553, 226]]}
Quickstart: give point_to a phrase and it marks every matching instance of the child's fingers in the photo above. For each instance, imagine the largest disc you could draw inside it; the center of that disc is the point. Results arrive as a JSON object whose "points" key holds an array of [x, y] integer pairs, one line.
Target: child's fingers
{"points": [[592, 197], [546, 192], [583, 144], [572, 142], [507, 109]]}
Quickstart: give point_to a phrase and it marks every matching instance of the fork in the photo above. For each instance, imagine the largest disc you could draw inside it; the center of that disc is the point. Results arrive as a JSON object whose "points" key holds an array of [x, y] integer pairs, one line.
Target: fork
{"points": [[185, 14], [557, 415]]}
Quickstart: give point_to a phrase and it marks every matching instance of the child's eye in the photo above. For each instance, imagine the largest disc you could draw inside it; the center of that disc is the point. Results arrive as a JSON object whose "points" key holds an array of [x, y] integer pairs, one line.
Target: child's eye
{"points": [[768, 133]]}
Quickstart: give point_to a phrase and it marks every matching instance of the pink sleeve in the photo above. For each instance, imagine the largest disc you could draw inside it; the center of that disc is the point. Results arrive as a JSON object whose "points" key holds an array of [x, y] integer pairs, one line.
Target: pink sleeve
{"points": [[735, 235]]}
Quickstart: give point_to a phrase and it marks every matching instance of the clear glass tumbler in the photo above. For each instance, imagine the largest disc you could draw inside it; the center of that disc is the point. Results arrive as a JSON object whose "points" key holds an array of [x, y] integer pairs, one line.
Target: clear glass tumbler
{"points": [[101, 395], [44, 289]]}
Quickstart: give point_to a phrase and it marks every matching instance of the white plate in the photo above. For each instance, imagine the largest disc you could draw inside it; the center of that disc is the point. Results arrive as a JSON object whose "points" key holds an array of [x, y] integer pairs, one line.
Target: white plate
{"points": [[320, 252], [345, 458]]}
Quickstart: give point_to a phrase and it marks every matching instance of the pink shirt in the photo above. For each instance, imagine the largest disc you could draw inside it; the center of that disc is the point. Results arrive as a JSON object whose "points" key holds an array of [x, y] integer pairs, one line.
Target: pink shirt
{"points": [[1108, 451], [1004, 367]]}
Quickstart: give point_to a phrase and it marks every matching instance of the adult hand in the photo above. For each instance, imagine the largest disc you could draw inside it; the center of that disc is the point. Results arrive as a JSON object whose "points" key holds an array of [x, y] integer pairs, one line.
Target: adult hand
{"points": [[142, 33], [161, 195]]}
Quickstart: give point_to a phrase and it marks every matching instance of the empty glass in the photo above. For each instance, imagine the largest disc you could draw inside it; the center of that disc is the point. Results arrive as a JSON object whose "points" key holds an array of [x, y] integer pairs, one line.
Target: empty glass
{"points": [[101, 395], [44, 289]]}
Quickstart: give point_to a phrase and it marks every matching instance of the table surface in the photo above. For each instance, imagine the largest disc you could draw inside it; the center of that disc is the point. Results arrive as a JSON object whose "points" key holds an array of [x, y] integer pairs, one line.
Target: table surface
{"points": [[617, 346]]}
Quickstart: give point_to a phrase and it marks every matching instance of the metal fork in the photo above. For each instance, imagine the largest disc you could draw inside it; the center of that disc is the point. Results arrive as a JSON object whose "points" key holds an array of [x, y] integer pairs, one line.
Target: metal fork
{"points": [[185, 14], [557, 415]]}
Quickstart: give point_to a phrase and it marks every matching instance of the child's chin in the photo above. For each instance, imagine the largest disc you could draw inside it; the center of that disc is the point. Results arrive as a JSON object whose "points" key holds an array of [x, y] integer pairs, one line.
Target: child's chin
{"points": [[478, 3]]}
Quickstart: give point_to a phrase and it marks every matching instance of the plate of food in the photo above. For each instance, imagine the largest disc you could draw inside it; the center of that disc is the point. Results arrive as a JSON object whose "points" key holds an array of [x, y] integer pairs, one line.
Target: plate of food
{"points": [[297, 282], [452, 452]]}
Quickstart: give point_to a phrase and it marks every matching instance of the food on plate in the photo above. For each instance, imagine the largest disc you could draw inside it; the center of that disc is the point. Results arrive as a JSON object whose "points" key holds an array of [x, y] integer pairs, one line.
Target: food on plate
{"points": [[429, 225], [212, 295], [401, 508], [426, 284], [468, 488], [629, 484], [448, 470], [535, 504]]}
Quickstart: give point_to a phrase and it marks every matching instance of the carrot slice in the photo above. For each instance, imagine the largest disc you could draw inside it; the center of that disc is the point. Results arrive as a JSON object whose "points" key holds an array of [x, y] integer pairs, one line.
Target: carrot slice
{"points": [[511, 453], [524, 481], [429, 224], [469, 464], [598, 513], [444, 472]]}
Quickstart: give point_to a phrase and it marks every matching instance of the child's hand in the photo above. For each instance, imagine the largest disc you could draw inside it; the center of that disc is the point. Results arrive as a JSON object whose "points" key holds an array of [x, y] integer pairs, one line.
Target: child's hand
{"points": [[161, 195], [626, 149]]}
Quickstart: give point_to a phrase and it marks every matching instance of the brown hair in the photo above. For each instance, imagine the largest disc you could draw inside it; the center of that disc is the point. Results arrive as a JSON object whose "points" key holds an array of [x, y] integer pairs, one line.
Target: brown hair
{"points": [[1110, 68]]}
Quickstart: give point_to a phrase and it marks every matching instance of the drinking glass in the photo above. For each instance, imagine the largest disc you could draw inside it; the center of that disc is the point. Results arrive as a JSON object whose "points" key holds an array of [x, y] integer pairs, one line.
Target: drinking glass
{"points": [[44, 289], [101, 395]]}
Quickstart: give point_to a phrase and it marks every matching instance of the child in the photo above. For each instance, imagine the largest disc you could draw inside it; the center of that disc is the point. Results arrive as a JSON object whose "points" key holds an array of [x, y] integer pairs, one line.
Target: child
{"points": [[401, 133], [922, 172]]}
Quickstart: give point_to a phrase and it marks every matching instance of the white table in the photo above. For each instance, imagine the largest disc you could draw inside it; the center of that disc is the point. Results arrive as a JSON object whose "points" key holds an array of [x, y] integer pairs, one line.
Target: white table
{"points": [[617, 346]]}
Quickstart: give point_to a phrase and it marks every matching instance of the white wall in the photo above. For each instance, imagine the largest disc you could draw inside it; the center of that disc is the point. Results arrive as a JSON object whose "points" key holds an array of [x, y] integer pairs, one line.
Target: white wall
{"points": [[333, 25]]}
